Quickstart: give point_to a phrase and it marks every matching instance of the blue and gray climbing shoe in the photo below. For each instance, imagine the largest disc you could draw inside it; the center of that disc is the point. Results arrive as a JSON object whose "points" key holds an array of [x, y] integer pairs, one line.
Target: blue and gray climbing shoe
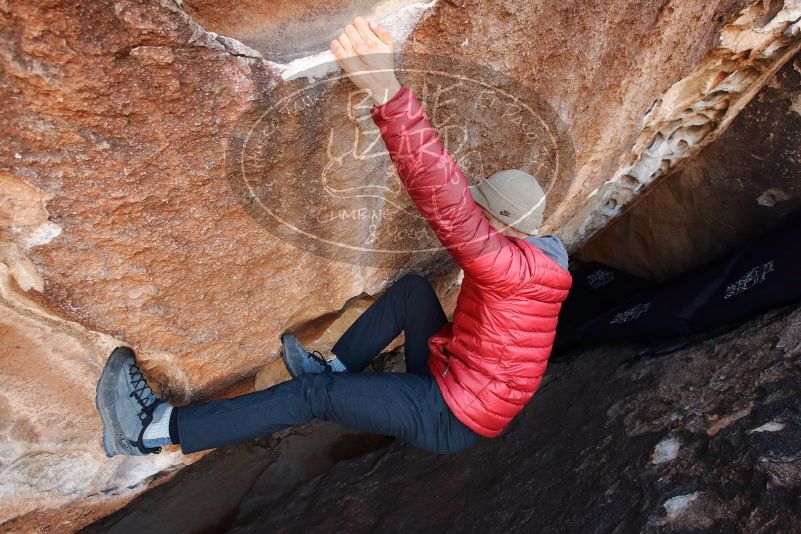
{"points": [[298, 360], [126, 405]]}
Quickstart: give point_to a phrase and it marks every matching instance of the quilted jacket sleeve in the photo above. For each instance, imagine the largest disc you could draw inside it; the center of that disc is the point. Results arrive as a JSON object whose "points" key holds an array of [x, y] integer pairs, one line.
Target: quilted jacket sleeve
{"points": [[439, 190]]}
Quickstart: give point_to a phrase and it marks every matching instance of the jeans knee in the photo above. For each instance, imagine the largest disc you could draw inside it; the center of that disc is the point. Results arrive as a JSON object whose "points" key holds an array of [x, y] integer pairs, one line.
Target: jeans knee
{"points": [[311, 382], [415, 284], [314, 388]]}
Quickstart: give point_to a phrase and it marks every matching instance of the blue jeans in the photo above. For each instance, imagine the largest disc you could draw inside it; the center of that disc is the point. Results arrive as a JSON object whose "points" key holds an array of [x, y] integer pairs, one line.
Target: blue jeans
{"points": [[407, 405]]}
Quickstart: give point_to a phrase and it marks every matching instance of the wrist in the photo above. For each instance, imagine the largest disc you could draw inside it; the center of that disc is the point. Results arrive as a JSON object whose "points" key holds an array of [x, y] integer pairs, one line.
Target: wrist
{"points": [[384, 94]]}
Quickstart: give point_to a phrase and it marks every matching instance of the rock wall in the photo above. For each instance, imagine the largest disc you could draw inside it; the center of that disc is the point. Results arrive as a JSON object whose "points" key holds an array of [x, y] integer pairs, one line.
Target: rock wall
{"points": [[734, 190], [693, 113], [283, 31], [128, 216]]}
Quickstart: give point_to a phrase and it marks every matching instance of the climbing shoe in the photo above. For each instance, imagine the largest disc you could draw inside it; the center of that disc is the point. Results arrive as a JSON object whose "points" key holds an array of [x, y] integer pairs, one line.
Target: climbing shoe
{"points": [[298, 360], [126, 405]]}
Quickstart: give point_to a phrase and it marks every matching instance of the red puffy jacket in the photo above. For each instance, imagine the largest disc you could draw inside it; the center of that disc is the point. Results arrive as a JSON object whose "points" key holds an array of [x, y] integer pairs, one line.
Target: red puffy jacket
{"points": [[490, 360]]}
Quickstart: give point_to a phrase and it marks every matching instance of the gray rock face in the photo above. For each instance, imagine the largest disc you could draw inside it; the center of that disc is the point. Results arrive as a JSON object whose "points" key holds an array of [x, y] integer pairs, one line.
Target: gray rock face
{"points": [[284, 30], [698, 436]]}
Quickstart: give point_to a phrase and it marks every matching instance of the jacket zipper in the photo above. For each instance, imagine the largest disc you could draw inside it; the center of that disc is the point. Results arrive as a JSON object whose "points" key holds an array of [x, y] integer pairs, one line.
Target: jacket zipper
{"points": [[447, 367]]}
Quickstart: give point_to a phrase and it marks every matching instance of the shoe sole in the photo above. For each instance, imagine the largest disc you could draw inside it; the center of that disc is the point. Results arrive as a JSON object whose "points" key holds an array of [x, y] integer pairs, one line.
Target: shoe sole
{"points": [[114, 441], [289, 365]]}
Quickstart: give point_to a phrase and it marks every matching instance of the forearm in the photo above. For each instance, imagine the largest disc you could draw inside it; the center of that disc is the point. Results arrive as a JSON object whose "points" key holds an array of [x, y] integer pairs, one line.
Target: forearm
{"points": [[383, 92]]}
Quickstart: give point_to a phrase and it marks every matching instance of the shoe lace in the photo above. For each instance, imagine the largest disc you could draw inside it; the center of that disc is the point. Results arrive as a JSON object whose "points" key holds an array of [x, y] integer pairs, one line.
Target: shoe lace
{"points": [[142, 393], [317, 356]]}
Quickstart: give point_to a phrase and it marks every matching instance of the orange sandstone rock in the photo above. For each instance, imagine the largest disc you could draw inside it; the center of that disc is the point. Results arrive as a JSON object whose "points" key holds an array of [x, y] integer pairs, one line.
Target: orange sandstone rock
{"points": [[181, 192]]}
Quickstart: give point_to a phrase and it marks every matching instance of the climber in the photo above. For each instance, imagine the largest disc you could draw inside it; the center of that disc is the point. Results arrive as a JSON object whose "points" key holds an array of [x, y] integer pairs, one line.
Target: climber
{"points": [[465, 380]]}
